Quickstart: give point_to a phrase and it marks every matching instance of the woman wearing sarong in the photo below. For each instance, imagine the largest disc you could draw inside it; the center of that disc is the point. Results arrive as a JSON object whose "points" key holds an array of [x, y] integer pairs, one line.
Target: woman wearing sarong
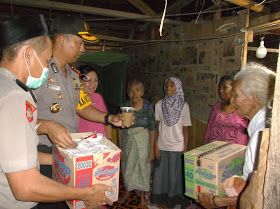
{"points": [[173, 120], [137, 144]]}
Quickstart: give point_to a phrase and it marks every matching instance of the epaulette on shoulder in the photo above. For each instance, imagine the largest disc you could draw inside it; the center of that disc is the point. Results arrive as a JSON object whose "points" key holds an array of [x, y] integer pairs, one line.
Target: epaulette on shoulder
{"points": [[75, 70]]}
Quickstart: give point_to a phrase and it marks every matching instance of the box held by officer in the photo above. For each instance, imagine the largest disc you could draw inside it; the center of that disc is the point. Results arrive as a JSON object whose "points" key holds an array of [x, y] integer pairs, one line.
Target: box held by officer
{"points": [[207, 167], [96, 160]]}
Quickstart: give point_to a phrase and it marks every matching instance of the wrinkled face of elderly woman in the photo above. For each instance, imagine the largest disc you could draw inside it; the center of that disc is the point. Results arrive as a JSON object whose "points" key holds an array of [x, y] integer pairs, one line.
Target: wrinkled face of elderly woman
{"points": [[135, 92], [243, 105], [170, 88]]}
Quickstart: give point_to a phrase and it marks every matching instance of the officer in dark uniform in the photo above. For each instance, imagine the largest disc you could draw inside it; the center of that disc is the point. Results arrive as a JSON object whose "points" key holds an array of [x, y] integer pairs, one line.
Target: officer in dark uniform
{"points": [[26, 50]]}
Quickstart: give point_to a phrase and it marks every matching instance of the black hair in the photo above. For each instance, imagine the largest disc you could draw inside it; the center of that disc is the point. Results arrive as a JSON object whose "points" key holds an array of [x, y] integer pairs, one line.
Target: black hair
{"points": [[85, 69], [227, 78], [38, 43]]}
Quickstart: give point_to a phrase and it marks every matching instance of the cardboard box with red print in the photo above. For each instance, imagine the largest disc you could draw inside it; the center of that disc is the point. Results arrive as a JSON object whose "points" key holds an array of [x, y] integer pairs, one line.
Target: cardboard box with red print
{"points": [[89, 167]]}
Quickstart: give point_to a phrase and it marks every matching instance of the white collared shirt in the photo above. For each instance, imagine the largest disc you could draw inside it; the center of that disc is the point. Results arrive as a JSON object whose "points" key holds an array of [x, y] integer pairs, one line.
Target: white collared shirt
{"points": [[255, 128]]}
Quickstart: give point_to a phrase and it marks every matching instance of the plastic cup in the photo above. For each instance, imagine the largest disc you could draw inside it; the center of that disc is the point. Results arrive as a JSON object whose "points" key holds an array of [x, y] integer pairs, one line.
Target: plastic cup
{"points": [[128, 113]]}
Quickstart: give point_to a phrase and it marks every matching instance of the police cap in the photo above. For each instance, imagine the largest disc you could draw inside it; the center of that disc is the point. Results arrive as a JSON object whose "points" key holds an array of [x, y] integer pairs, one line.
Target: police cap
{"points": [[19, 29], [72, 25]]}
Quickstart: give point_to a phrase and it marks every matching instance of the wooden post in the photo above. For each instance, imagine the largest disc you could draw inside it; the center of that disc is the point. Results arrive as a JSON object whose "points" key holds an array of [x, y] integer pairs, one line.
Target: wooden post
{"points": [[218, 14], [245, 44], [272, 178], [252, 196]]}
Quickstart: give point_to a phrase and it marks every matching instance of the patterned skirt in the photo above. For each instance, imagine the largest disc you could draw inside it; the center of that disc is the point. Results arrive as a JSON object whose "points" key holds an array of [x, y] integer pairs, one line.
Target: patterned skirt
{"points": [[135, 169]]}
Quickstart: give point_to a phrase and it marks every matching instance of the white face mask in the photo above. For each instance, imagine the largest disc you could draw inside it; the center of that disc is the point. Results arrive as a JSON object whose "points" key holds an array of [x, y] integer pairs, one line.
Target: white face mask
{"points": [[32, 82]]}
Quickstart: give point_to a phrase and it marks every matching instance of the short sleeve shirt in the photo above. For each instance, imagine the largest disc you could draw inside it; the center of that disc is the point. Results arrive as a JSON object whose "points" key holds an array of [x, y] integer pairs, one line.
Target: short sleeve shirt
{"points": [[228, 127], [19, 140], [256, 126], [89, 126], [171, 138], [144, 117], [65, 92]]}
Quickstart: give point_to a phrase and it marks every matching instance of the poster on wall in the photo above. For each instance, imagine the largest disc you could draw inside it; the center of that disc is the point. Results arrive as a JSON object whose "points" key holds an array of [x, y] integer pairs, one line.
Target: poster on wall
{"points": [[230, 67], [205, 60], [229, 47], [189, 55]]}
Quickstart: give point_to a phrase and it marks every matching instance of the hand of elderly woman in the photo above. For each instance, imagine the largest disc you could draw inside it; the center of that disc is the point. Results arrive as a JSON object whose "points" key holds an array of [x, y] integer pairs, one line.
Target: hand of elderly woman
{"points": [[157, 151], [206, 200], [211, 201], [151, 156]]}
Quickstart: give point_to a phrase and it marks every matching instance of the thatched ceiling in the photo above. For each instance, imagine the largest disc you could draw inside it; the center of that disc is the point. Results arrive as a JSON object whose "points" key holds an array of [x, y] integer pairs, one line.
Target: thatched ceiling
{"points": [[121, 22]]}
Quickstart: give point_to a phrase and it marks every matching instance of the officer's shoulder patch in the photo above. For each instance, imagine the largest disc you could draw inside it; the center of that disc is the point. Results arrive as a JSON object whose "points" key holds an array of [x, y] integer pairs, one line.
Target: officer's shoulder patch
{"points": [[75, 70], [29, 111], [54, 67]]}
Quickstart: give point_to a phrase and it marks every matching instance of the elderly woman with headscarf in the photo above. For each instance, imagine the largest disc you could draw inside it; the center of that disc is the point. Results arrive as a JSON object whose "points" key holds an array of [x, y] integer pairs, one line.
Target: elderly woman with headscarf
{"points": [[173, 120], [253, 91]]}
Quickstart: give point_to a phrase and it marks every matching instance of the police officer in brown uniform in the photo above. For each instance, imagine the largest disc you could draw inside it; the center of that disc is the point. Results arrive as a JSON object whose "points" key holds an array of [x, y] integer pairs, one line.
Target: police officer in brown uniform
{"points": [[59, 98], [26, 50]]}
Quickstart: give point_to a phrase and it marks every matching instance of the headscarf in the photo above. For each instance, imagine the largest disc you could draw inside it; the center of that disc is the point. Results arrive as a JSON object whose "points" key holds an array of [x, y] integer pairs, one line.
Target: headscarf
{"points": [[173, 105]]}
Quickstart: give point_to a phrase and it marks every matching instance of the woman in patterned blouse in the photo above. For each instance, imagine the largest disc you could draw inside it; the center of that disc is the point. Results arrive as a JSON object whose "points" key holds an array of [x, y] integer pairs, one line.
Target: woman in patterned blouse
{"points": [[224, 124]]}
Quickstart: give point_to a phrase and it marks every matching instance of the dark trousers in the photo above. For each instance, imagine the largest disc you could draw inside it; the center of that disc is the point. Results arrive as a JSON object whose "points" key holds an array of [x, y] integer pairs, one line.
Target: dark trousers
{"points": [[46, 170]]}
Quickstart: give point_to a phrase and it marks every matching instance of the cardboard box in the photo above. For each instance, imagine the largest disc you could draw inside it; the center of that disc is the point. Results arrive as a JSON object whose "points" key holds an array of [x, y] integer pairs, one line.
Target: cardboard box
{"points": [[207, 167], [100, 168]]}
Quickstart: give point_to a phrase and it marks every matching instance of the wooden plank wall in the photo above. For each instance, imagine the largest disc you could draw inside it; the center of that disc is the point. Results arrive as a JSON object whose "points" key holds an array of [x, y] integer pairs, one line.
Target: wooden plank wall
{"points": [[272, 177], [197, 131]]}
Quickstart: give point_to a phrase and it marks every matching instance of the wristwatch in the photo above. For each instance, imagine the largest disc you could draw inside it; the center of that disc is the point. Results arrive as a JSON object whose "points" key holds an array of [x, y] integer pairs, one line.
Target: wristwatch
{"points": [[106, 118]]}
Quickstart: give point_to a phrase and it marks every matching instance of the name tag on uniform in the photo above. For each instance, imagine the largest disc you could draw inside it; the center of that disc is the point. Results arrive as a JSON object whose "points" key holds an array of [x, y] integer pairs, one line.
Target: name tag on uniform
{"points": [[53, 87]]}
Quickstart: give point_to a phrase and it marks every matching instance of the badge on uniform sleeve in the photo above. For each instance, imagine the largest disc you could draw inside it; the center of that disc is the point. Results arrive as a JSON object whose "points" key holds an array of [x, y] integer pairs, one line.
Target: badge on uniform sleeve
{"points": [[29, 111], [51, 80], [55, 108], [54, 68], [84, 100], [75, 82]]}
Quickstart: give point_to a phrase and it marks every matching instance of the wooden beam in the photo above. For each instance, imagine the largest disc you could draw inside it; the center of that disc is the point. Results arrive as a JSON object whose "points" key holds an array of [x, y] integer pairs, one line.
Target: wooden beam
{"points": [[113, 38], [110, 26], [177, 5], [45, 4], [265, 27], [268, 49], [248, 4], [100, 48], [214, 7], [143, 7]]}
